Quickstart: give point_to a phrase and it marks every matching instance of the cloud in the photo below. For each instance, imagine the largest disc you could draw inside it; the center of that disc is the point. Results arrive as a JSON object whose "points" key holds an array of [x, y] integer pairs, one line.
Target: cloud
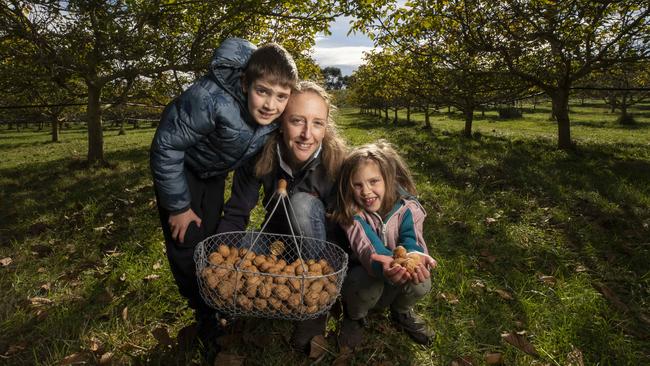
{"points": [[347, 55]]}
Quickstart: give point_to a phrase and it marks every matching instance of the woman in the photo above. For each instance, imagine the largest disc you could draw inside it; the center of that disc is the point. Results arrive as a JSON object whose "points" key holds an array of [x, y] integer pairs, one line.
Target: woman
{"points": [[307, 152]]}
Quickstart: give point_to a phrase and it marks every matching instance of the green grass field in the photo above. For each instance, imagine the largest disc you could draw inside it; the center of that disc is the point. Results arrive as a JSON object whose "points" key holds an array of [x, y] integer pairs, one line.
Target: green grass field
{"points": [[550, 244]]}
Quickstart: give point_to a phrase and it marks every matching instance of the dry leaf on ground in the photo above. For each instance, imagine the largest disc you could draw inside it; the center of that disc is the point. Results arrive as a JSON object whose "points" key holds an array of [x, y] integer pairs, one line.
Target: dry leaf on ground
{"points": [[125, 313], [95, 345], [77, 358], [228, 359], [106, 358], [519, 341], [548, 280], [162, 336], [40, 301], [318, 347], [450, 298], [611, 296], [15, 348], [151, 277], [574, 358], [463, 361], [504, 294], [157, 265], [6, 261], [493, 358]]}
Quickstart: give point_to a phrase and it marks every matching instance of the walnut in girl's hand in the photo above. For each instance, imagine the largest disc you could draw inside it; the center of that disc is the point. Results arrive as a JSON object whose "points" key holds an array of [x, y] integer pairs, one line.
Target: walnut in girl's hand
{"points": [[401, 258]]}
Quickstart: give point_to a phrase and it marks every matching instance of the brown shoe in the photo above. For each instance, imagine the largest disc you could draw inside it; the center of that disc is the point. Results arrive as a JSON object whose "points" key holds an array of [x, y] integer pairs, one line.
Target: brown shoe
{"points": [[413, 325]]}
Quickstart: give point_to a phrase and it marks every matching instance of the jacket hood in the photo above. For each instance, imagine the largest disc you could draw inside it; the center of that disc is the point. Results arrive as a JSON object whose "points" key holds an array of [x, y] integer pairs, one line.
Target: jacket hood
{"points": [[228, 63]]}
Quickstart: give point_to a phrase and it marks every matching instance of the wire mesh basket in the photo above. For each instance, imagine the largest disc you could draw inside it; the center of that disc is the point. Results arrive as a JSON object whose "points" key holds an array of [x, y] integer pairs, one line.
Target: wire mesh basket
{"points": [[258, 274]]}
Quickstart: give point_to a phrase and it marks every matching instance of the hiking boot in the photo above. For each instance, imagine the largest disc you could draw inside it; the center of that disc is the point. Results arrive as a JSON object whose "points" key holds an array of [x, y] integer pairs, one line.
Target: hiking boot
{"points": [[413, 325], [305, 330], [351, 335]]}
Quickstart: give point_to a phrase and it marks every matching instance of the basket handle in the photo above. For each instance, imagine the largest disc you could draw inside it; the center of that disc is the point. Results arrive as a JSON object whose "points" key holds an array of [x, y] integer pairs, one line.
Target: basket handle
{"points": [[282, 187]]}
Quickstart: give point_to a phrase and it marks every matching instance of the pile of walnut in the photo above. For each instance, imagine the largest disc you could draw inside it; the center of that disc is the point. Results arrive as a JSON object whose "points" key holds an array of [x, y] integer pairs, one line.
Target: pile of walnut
{"points": [[409, 261], [264, 283]]}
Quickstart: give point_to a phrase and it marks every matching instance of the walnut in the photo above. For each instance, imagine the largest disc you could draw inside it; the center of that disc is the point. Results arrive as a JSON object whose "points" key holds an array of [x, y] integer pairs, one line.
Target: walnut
{"points": [[312, 309], [301, 268], [399, 252], [327, 269], [259, 260], [221, 272], [294, 301], [224, 250], [244, 302], [264, 290], [316, 269], [210, 278], [409, 261], [317, 286], [275, 303], [260, 304], [331, 289], [251, 291], [226, 289], [323, 298], [265, 266], [281, 279], [215, 258], [294, 284], [282, 292], [253, 280], [311, 298]]}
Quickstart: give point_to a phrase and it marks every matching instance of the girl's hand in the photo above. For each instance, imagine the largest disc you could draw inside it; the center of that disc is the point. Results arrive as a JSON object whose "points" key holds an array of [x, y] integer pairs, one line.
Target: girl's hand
{"points": [[178, 224], [397, 275], [422, 270]]}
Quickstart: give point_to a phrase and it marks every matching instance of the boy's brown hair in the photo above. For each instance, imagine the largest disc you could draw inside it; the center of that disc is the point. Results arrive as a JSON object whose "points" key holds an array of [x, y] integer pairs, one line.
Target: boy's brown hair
{"points": [[274, 63]]}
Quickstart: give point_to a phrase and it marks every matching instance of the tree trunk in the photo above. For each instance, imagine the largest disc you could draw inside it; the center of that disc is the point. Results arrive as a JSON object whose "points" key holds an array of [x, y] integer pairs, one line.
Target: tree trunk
{"points": [[55, 128], [427, 120], [469, 117], [408, 114], [395, 118], [95, 133], [386, 114], [560, 100]]}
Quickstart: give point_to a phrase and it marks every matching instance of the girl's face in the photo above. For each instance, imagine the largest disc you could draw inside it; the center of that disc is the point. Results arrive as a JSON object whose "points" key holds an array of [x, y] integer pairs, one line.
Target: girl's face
{"points": [[303, 127], [369, 186]]}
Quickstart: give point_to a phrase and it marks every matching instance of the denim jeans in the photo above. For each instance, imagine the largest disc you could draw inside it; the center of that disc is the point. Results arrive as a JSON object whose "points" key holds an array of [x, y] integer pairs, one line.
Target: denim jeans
{"points": [[309, 219]]}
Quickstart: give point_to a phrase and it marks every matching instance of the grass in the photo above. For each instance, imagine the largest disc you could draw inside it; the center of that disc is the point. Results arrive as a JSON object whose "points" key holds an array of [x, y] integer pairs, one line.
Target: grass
{"points": [[529, 239]]}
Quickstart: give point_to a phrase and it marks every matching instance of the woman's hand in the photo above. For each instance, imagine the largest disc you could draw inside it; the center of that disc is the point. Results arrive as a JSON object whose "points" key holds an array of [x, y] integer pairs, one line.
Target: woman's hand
{"points": [[397, 275], [179, 223]]}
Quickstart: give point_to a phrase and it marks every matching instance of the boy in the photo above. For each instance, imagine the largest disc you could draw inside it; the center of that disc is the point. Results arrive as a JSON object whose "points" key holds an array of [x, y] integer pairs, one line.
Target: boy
{"points": [[213, 127]]}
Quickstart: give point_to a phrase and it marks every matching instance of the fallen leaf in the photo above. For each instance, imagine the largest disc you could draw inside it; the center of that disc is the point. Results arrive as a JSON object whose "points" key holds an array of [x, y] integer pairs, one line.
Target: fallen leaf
{"points": [[151, 277], [318, 347], [106, 359], [123, 277], [41, 270], [450, 298], [74, 359], [548, 280], [15, 348], [611, 296], [162, 336], [493, 358], [344, 357], [477, 285], [490, 220], [125, 313], [40, 301], [41, 314], [6, 261], [504, 294], [45, 287], [574, 358], [519, 341], [228, 359], [95, 345], [157, 265], [463, 361], [581, 268]]}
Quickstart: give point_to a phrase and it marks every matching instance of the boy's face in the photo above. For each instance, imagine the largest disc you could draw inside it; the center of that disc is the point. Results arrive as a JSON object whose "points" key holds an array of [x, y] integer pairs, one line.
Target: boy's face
{"points": [[266, 101]]}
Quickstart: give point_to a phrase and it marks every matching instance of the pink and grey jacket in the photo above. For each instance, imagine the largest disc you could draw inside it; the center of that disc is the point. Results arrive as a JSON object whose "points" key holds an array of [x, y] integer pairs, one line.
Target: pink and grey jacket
{"points": [[370, 233]]}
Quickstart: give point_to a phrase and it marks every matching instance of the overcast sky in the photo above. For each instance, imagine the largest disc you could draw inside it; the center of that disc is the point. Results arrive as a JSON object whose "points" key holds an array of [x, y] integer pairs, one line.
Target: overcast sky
{"points": [[339, 49]]}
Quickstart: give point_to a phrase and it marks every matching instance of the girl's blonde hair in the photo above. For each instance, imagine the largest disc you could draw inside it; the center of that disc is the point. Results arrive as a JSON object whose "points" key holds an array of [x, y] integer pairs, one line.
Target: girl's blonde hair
{"points": [[393, 169], [333, 149]]}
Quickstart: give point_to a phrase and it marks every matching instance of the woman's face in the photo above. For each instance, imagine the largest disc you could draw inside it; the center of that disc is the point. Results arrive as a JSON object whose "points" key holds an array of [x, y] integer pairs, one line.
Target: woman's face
{"points": [[303, 126]]}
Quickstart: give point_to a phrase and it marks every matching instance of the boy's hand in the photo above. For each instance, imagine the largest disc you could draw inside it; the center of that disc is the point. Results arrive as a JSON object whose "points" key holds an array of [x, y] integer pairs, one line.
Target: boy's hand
{"points": [[397, 275], [179, 223]]}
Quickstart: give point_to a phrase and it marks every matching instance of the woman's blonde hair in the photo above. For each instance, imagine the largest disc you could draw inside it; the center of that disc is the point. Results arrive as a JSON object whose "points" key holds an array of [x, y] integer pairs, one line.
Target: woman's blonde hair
{"points": [[393, 169], [333, 146]]}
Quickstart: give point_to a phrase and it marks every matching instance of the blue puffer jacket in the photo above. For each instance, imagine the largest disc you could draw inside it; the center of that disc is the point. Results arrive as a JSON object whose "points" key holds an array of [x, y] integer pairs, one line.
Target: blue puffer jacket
{"points": [[207, 128]]}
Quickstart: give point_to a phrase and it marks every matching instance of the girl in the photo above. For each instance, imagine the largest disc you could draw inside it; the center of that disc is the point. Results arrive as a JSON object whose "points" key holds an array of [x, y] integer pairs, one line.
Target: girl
{"points": [[378, 210]]}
